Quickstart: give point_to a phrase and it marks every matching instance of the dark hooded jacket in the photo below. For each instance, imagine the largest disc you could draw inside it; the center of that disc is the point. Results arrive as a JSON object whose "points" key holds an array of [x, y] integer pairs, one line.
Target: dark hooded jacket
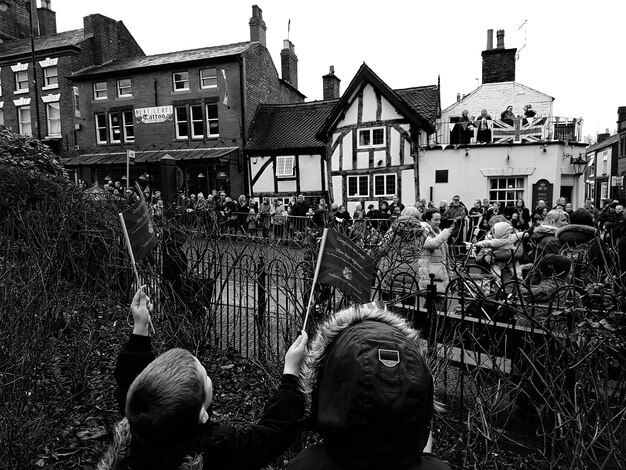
{"points": [[212, 445], [370, 393]]}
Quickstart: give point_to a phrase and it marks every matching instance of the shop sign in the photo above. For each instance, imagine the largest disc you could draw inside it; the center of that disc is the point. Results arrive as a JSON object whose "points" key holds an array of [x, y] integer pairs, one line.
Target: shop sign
{"points": [[155, 114]]}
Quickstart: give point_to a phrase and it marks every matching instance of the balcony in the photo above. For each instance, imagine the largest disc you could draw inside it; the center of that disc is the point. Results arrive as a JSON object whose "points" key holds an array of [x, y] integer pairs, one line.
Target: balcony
{"points": [[517, 131]]}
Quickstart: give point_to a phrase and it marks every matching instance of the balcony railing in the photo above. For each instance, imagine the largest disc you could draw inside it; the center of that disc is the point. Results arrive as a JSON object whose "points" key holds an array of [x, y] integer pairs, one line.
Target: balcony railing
{"points": [[515, 131]]}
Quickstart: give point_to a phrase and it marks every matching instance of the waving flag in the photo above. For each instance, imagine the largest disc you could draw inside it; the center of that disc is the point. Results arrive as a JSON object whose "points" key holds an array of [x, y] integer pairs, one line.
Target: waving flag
{"points": [[346, 266], [138, 229]]}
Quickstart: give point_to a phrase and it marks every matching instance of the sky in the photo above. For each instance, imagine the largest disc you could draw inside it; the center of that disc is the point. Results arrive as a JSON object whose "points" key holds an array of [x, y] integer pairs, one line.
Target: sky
{"points": [[567, 49]]}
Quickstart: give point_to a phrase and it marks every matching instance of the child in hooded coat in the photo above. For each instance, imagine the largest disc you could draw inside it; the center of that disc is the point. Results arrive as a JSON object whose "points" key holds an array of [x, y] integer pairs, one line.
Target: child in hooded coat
{"points": [[504, 249]]}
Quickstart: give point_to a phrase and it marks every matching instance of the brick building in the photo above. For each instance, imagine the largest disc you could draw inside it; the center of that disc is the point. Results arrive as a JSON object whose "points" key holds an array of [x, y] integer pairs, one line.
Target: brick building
{"points": [[45, 104], [195, 106]]}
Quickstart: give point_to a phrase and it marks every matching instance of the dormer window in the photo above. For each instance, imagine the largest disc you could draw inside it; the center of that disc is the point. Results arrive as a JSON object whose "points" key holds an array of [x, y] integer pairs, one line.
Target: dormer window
{"points": [[372, 137]]}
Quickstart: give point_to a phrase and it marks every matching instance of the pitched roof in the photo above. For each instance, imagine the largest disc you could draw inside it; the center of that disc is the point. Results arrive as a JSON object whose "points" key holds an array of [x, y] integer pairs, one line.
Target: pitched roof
{"points": [[367, 75], [167, 58], [42, 43], [605, 143], [423, 99], [288, 126]]}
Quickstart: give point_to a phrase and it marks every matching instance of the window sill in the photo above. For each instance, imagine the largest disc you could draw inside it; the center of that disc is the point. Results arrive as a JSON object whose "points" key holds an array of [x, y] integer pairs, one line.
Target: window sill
{"points": [[50, 87], [21, 92], [213, 136], [52, 137], [101, 99], [369, 147], [124, 97], [182, 90], [214, 87]]}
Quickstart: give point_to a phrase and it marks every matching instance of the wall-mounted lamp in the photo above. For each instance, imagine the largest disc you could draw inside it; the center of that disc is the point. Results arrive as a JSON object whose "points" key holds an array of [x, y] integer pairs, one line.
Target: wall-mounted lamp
{"points": [[221, 176], [467, 152], [201, 175], [544, 147], [380, 163], [579, 164]]}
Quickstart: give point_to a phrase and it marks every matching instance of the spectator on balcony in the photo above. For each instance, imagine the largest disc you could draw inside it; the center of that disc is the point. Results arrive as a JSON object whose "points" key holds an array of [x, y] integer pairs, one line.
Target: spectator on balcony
{"points": [[484, 123], [529, 114], [507, 115], [463, 130]]}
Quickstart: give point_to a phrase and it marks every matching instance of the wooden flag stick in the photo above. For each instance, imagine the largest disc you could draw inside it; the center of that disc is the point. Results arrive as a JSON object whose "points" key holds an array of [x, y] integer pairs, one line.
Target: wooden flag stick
{"points": [[317, 270], [132, 258]]}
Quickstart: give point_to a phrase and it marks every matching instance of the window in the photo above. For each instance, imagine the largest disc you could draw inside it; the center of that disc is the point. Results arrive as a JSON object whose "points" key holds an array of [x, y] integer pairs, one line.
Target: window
{"points": [[604, 190], [1, 113], [124, 88], [181, 81], [100, 91], [358, 186], [23, 116], [284, 166], [53, 116], [208, 78], [115, 128], [373, 137], [0, 83], [51, 77], [21, 81], [605, 163], [128, 124], [197, 122], [180, 113], [441, 176], [213, 124], [101, 128], [506, 190], [385, 185]]}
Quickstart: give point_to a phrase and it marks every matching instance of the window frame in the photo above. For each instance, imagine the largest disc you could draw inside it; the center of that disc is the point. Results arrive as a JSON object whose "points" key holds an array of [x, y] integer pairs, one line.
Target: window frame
{"points": [[50, 106], [120, 88], [279, 172], [203, 78], [211, 120], [128, 122], [18, 81], [104, 90], [177, 123], [174, 81], [518, 191], [370, 131], [47, 77], [99, 128], [439, 175], [387, 192], [21, 123], [112, 127], [358, 179], [195, 120]]}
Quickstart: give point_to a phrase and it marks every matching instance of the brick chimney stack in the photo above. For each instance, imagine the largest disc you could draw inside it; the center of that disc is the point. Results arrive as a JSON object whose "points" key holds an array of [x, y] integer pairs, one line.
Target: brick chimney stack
{"points": [[498, 63], [47, 18], [258, 29], [331, 85], [289, 63], [621, 119]]}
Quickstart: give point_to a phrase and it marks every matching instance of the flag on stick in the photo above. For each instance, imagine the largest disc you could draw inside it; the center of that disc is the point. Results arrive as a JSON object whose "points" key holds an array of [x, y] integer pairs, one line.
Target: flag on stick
{"points": [[341, 263], [138, 229]]}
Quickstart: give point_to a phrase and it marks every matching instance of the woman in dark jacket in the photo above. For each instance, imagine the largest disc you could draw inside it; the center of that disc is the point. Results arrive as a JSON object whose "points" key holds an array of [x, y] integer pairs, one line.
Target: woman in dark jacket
{"points": [[523, 215], [370, 391]]}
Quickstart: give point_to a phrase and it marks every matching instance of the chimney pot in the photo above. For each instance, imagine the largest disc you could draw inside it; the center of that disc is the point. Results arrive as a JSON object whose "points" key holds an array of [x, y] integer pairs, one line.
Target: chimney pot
{"points": [[258, 30], [500, 36], [489, 39], [458, 97], [331, 84]]}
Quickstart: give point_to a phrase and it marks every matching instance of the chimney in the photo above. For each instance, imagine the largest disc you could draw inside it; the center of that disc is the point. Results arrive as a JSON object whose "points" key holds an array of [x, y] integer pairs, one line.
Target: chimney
{"points": [[331, 85], [489, 39], [498, 63], [500, 36], [621, 119], [458, 97], [257, 26], [289, 63], [603, 137], [47, 18]]}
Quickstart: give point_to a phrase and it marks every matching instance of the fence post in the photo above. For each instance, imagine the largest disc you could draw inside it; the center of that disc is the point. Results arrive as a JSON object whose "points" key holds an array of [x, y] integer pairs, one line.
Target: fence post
{"points": [[431, 312], [261, 276]]}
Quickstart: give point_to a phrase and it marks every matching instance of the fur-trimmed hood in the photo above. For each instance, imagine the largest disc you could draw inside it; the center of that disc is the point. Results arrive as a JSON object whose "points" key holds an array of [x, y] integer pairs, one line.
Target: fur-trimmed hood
{"points": [[575, 233], [115, 455], [369, 388]]}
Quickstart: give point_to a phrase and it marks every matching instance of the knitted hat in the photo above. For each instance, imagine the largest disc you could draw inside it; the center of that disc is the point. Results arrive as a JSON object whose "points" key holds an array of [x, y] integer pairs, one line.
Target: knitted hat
{"points": [[501, 229], [581, 217]]}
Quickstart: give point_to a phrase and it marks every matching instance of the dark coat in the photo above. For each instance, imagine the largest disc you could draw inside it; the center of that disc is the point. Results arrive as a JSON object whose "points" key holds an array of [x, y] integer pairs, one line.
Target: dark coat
{"points": [[213, 445]]}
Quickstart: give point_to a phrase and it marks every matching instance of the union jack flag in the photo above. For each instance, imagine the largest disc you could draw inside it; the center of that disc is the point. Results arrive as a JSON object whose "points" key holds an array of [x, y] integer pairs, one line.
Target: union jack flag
{"points": [[532, 131]]}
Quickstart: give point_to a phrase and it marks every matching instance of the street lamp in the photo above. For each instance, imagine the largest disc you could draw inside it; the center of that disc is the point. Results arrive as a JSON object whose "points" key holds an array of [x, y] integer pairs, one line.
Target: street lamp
{"points": [[579, 164], [4, 6]]}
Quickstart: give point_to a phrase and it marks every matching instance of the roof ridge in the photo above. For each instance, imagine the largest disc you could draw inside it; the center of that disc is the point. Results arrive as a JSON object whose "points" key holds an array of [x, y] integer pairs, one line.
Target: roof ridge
{"points": [[200, 48], [415, 87]]}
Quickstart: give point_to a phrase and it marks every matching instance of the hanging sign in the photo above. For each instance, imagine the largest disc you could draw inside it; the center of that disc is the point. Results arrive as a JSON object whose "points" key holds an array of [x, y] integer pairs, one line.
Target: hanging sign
{"points": [[155, 114]]}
